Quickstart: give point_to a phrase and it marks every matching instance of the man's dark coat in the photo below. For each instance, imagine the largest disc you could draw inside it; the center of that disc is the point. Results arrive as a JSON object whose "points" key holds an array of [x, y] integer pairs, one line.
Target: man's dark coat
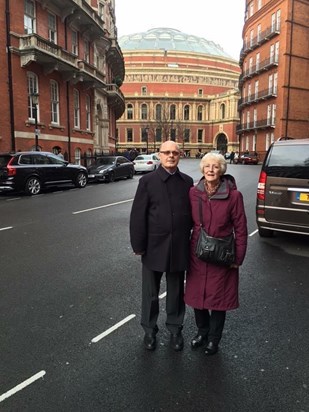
{"points": [[160, 222]]}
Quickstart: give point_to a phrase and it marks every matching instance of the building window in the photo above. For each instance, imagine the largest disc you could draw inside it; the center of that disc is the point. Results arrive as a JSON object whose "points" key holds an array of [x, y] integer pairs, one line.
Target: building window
{"points": [[144, 90], [254, 117], [222, 109], [200, 92], [29, 17], [74, 42], [273, 22], [186, 135], [277, 52], [200, 135], [76, 108], [101, 10], [251, 9], [173, 112], [87, 51], [186, 112], [158, 115], [88, 112], [52, 28], [129, 111], [251, 37], [278, 20], [256, 89], [32, 80], [259, 32], [158, 135], [275, 87], [54, 101], [259, 4], [77, 155], [144, 111], [248, 120], [129, 135], [200, 113], [250, 65], [257, 61], [249, 92], [173, 134]]}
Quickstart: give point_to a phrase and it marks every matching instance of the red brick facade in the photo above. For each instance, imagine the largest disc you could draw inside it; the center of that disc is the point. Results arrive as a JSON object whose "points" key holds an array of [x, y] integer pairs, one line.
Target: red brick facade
{"points": [[70, 57], [274, 82]]}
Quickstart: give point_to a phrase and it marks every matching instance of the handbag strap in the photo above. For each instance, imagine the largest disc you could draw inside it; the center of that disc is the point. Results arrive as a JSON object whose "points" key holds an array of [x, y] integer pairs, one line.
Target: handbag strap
{"points": [[201, 211]]}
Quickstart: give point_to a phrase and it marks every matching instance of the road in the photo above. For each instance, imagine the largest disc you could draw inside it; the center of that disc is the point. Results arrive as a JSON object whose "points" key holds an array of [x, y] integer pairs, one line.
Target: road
{"points": [[70, 338]]}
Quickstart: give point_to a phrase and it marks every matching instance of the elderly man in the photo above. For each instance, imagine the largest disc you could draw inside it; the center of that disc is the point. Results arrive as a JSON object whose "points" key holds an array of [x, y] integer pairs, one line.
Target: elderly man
{"points": [[160, 226]]}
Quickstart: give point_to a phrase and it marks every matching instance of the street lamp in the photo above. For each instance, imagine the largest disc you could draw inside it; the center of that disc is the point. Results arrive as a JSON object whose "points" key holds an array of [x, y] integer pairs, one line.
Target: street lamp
{"points": [[146, 135], [35, 102]]}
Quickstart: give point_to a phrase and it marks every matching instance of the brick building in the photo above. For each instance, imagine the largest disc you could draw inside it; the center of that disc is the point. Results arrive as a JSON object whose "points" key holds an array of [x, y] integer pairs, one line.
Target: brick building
{"points": [[274, 82], [61, 72], [181, 87]]}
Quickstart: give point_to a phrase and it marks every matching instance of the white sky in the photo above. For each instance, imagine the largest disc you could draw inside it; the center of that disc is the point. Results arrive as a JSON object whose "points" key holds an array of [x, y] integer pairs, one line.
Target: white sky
{"points": [[220, 21]]}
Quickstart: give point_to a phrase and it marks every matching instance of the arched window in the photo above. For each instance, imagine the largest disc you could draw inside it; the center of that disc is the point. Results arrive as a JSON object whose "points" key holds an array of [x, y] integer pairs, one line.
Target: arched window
{"points": [[222, 111], [186, 112], [144, 111], [158, 115], [172, 112], [129, 111], [200, 113]]}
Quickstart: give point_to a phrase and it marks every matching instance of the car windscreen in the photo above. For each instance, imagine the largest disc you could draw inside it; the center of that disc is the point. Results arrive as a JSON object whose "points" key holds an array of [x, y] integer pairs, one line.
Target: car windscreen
{"points": [[104, 161]]}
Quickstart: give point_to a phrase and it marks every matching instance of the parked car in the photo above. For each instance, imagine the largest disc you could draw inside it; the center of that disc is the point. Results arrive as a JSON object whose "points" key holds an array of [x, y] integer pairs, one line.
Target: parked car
{"points": [[32, 171], [110, 168], [247, 159], [146, 163], [283, 189]]}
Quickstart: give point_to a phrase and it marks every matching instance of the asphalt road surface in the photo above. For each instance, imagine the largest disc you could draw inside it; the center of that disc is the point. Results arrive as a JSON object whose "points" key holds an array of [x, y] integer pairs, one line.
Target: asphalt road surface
{"points": [[70, 338]]}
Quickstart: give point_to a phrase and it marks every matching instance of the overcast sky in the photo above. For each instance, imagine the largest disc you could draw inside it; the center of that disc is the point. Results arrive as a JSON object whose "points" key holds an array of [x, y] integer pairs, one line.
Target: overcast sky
{"points": [[220, 21]]}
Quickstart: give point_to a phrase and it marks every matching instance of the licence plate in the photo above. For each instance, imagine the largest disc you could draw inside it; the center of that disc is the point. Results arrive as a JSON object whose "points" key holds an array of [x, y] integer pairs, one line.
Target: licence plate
{"points": [[303, 197]]}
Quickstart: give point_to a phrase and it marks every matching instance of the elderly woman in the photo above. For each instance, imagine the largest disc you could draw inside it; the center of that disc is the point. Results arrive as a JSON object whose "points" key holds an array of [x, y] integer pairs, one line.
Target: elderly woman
{"points": [[212, 289]]}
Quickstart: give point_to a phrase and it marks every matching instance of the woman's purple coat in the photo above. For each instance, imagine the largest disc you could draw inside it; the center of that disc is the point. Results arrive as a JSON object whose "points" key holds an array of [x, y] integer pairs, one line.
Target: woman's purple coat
{"points": [[210, 286]]}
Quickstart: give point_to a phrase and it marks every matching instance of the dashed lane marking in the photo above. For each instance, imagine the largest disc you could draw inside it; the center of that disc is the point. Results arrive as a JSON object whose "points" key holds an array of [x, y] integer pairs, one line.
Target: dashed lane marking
{"points": [[22, 385]]}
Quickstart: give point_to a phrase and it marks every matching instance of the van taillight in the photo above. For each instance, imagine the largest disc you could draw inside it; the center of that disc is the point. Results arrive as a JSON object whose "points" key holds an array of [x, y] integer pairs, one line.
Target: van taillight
{"points": [[261, 186], [11, 170]]}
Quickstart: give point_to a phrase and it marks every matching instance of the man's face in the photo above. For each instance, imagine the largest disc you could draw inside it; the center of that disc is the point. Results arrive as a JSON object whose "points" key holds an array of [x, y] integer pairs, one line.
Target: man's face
{"points": [[169, 156]]}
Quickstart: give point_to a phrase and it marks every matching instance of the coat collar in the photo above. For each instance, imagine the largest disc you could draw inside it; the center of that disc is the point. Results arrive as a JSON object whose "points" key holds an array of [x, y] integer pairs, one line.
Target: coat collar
{"points": [[227, 184], [164, 175]]}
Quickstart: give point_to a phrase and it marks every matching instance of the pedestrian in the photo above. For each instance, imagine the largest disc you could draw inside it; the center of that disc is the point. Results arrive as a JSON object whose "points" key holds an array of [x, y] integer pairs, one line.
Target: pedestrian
{"points": [[160, 226], [212, 289], [59, 154], [232, 156]]}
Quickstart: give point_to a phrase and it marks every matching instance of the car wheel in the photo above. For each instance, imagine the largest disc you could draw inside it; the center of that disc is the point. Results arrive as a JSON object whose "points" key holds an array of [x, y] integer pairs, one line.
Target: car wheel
{"points": [[33, 186], [111, 177], [265, 232], [81, 180], [131, 174]]}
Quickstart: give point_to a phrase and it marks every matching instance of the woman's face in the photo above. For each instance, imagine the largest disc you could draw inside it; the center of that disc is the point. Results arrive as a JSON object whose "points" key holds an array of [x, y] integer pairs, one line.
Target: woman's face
{"points": [[212, 171]]}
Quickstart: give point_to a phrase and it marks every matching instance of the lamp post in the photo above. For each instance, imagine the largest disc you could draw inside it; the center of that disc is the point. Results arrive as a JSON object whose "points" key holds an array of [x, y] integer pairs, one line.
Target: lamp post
{"points": [[35, 102], [147, 140]]}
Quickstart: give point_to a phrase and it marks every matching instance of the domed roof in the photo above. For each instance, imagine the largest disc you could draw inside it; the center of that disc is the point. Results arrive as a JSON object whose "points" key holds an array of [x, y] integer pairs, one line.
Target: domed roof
{"points": [[170, 39]]}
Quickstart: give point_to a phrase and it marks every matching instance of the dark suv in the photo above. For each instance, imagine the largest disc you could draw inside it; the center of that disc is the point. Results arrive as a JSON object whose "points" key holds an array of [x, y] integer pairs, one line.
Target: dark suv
{"points": [[283, 189], [31, 171]]}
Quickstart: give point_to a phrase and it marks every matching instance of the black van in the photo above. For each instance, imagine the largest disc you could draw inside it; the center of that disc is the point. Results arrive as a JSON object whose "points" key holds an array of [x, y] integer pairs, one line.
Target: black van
{"points": [[283, 189]]}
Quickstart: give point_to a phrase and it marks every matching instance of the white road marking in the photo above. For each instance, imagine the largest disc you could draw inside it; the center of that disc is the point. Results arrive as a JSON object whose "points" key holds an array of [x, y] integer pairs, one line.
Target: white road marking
{"points": [[113, 328], [253, 233], [14, 198], [6, 228], [102, 207], [162, 295], [22, 385]]}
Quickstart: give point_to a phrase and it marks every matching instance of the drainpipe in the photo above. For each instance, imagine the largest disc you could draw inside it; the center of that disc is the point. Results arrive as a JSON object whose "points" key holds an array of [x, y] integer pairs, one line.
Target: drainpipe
{"points": [[10, 82], [68, 97], [289, 76]]}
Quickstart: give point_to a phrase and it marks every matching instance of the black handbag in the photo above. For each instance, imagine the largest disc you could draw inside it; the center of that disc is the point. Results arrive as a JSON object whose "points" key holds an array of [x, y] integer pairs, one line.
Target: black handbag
{"points": [[220, 251]]}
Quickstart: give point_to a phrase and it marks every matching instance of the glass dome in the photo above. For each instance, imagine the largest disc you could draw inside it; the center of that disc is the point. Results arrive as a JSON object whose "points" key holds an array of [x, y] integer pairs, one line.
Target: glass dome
{"points": [[170, 39]]}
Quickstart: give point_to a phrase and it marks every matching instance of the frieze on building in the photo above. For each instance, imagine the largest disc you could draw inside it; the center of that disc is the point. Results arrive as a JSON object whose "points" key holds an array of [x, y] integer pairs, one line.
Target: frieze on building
{"points": [[180, 78]]}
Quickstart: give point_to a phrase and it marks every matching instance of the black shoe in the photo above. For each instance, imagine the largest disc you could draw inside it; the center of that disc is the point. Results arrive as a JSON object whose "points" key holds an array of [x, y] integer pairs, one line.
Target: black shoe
{"points": [[150, 341], [211, 348], [177, 341], [198, 340]]}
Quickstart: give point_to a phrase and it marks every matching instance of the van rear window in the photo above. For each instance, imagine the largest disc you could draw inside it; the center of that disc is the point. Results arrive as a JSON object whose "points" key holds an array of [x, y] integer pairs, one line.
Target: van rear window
{"points": [[290, 156]]}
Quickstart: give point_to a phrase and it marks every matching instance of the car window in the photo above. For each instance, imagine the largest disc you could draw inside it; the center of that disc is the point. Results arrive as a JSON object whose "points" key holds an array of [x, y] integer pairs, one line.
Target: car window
{"points": [[39, 159], [140, 158], [289, 156], [55, 160], [122, 160], [25, 159]]}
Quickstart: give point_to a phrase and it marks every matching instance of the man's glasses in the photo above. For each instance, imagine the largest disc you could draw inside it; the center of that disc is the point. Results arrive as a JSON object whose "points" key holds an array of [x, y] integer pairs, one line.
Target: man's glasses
{"points": [[170, 152]]}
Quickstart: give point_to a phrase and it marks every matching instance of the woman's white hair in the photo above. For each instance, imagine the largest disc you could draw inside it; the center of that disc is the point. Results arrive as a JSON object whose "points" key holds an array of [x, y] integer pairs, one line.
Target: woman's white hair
{"points": [[214, 156]]}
